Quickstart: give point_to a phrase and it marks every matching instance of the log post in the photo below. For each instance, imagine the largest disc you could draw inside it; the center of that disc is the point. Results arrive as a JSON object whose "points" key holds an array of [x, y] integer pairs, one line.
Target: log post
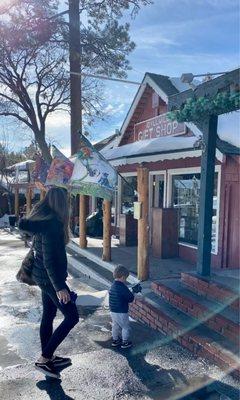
{"points": [[143, 228], [42, 194], [106, 256], [82, 221], [16, 202], [29, 200]]}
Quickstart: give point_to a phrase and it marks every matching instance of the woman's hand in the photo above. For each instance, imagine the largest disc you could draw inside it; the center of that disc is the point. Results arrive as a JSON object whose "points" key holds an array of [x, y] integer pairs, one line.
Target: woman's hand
{"points": [[64, 296]]}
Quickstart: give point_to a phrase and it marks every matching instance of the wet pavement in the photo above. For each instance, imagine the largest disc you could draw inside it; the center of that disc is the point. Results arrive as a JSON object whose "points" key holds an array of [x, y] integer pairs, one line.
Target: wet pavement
{"points": [[151, 370]]}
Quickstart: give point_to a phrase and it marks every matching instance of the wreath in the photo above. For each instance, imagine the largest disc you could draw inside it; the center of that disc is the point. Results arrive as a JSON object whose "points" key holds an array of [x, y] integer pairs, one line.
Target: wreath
{"points": [[195, 110]]}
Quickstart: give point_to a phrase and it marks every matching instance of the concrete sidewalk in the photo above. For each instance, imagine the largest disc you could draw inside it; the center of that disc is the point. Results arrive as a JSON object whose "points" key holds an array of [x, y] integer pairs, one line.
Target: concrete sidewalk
{"points": [[153, 369]]}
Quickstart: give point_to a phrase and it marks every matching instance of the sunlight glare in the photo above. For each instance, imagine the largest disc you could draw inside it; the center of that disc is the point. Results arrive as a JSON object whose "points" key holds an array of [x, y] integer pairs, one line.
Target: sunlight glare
{"points": [[6, 4]]}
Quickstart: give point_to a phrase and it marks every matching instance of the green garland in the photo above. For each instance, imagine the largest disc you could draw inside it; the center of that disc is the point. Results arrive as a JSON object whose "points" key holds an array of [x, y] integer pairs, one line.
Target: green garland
{"points": [[198, 110]]}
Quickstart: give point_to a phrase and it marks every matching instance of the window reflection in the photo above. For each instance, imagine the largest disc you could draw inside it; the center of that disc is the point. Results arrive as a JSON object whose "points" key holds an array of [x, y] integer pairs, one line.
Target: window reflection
{"points": [[186, 198], [129, 185]]}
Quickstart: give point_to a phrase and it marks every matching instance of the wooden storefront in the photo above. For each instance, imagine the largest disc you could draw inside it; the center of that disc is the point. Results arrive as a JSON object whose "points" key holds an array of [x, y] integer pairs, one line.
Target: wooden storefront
{"points": [[171, 153]]}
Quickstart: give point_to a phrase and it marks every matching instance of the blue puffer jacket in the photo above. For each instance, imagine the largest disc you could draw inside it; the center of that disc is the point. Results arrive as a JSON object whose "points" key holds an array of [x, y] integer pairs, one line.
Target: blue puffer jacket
{"points": [[119, 297]]}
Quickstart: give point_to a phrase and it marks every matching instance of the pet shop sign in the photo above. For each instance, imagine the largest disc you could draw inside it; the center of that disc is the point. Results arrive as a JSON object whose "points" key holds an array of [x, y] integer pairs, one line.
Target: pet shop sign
{"points": [[156, 127]]}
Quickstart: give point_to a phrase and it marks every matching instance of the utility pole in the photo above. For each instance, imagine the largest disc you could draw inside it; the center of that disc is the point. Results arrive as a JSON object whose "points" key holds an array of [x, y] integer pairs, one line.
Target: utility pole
{"points": [[76, 101], [75, 80]]}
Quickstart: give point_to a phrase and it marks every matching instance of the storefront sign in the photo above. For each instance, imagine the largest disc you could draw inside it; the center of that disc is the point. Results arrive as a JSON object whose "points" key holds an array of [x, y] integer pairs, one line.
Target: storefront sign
{"points": [[158, 126]]}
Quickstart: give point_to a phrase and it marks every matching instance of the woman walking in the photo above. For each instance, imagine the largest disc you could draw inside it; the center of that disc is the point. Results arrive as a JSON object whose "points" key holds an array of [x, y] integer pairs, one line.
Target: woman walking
{"points": [[48, 223]]}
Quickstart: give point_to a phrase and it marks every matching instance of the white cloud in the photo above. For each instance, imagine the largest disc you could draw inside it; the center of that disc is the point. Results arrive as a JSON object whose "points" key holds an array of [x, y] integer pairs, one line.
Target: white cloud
{"points": [[150, 36], [113, 109], [58, 119]]}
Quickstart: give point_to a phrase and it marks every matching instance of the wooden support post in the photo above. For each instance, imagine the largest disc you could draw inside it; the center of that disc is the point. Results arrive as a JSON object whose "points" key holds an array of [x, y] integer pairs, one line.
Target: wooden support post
{"points": [[42, 194], [16, 202], [206, 196], [106, 256], [143, 228], [29, 200], [82, 221]]}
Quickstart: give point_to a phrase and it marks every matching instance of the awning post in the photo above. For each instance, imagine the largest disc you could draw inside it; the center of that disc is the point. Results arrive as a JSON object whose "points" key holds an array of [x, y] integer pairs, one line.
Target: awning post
{"points": [[82, 221], [143, 228], [206, 196], [106, 256]]}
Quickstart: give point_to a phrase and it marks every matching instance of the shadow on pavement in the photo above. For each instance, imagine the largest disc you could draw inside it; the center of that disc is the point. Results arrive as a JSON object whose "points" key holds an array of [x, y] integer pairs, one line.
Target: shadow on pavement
{"points": [[54, 389], [171, 383], [156, 379]]}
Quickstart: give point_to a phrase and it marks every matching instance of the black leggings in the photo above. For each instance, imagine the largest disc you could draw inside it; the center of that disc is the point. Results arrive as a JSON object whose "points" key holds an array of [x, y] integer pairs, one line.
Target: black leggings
{"points": [[51, 340]]}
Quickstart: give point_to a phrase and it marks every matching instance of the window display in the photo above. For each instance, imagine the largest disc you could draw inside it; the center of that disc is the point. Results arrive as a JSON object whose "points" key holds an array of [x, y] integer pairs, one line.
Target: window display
{"points": [[186, 198], [129, 185]]}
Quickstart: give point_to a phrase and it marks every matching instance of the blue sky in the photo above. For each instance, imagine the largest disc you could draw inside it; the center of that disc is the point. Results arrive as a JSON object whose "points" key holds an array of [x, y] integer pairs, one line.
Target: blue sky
{"points": [[172, 37]]}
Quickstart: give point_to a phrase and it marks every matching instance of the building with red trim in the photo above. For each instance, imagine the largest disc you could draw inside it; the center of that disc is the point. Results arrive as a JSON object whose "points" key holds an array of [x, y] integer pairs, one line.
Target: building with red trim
{"points": [[172, 153]]}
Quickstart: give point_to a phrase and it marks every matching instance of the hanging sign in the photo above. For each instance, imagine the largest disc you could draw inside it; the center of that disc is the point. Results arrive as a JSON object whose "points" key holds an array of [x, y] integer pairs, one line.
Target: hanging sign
{"points": [[157, 127], [92, 174]]}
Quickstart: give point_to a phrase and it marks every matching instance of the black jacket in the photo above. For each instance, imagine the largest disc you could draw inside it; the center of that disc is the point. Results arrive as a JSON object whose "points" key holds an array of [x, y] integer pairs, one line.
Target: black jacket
{"points": [[119, 297], [50, 266]]}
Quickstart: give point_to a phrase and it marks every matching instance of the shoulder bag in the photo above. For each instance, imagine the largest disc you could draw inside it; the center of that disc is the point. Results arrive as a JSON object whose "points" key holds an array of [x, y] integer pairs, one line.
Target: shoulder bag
{"points": [[24, 274]]}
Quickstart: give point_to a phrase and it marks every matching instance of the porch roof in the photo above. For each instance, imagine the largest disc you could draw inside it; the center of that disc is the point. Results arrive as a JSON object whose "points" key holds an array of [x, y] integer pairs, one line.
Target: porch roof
{"points": [[166, 147]]}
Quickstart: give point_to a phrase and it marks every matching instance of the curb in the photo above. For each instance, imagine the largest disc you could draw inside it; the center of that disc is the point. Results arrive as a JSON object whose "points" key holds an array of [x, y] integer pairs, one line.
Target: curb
{"points": [[105, 264], [77, 266]]}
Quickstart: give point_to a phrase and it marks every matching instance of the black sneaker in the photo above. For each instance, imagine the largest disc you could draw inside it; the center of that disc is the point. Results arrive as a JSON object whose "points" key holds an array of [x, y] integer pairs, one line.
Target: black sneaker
{"points": [[47, 368], [61, 361], [116, 343], [126, 345]]}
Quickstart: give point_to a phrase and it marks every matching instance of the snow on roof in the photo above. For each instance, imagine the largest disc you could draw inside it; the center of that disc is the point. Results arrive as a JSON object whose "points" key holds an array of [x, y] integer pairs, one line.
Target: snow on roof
{"points": [[153, 146], [22, 165], [179, 85], [229, 128], [182, 86]]}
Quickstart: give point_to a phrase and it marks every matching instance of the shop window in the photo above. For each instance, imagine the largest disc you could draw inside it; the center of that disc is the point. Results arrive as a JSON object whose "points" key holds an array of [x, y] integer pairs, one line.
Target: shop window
{"points": [[157, 191], [129, 185], [23, 176], [186, 198], [114, 208]]}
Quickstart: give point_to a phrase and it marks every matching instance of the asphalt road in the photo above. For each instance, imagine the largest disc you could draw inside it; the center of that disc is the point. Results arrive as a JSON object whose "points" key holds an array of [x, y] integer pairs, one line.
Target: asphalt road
{"points": [[153, 369]]}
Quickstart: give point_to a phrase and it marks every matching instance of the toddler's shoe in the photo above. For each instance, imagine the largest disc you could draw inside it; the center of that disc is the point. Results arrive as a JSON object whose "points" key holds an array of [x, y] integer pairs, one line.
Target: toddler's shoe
{"points": [[116, 343], [126, 345]]}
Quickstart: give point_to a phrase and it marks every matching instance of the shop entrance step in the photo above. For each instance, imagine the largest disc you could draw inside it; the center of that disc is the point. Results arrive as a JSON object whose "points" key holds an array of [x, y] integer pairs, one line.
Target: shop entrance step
{"points": [[199, 339], [221, 289], [218, 317]]}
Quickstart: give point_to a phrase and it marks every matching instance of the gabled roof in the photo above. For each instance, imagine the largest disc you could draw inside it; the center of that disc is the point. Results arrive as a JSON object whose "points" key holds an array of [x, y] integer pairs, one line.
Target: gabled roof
{"points": [[104, 142], [163, 85], [164, 82]]}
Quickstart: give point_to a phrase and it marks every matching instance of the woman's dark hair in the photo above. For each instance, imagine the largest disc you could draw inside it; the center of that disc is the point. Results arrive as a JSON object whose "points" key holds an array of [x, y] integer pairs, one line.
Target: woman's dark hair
{"points": [[55, 204]]}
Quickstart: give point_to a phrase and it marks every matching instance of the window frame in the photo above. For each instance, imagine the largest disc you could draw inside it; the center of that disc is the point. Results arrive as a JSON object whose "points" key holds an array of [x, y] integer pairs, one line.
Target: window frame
{"points": [[195, 170]]}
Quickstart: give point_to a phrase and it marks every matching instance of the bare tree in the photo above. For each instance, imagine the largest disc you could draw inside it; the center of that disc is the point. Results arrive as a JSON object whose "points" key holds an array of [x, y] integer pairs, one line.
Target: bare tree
{"points": [[33, 82], [34, 68]]}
